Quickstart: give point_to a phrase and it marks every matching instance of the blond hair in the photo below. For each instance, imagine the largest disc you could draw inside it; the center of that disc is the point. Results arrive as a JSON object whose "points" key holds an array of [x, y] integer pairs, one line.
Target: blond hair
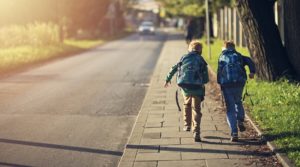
{"points": [[195, 46]]}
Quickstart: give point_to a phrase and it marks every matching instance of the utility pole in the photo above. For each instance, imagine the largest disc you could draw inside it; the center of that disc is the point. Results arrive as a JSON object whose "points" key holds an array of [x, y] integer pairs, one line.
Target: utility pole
{"points": [[58, 21], [111, 16], [208, 28]]}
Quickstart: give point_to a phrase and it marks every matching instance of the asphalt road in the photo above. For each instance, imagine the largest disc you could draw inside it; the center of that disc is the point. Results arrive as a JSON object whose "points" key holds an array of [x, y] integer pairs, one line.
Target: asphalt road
{"points": [[78, 111]]}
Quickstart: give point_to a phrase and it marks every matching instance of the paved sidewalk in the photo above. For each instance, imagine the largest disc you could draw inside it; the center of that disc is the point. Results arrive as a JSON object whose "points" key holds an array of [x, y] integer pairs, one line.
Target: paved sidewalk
{"points": [[157, 139]]}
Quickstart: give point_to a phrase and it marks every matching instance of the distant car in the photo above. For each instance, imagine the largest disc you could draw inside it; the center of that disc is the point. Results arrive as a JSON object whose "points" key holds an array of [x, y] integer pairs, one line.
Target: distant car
{"points": [[146, 27]]}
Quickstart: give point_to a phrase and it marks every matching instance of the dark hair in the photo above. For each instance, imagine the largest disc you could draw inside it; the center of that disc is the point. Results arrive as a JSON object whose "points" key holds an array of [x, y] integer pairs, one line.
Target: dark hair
{"points": [[229, 44]]}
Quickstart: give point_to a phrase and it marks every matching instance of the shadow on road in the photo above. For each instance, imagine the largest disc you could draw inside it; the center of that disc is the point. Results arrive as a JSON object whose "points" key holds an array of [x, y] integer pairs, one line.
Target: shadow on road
{"points": [[62, 147], [12, 165]]}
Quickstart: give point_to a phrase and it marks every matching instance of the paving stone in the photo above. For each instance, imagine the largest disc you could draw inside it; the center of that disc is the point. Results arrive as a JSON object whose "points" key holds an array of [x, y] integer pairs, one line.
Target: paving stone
{"points": [[129, 155], [165, 141], [206, 118], [176, 134], [189, 140], [163, 129], [170, 124], [156, 120], [223, 128], [195, 163], [216, 134], [126, 164], [207, 127], [150, 116], [152, 135], [148, 149], [206, 154], [145, 164], [229, 163], [192, 148], [157, 111], [154, 108], [157, 156], [153, 125], [210, 140], [223, 147]]}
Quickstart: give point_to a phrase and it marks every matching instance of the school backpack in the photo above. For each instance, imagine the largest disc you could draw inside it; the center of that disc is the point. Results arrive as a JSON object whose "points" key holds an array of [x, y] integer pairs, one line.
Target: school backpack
{"points": [[231, 68], [190, 71]]}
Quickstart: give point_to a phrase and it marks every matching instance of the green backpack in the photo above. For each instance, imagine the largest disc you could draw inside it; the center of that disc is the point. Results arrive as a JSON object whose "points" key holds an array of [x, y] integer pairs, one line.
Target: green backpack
{"points": [[190, 71]]}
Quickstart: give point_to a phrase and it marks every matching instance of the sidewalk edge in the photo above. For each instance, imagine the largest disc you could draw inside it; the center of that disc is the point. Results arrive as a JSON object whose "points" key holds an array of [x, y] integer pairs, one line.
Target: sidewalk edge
{"points": [[131, 163]]}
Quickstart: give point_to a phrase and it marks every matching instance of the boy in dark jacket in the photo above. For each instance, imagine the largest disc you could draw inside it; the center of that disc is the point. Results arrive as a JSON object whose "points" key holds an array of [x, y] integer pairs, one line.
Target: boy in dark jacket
{"points": [[232, 78], [193, 96]]}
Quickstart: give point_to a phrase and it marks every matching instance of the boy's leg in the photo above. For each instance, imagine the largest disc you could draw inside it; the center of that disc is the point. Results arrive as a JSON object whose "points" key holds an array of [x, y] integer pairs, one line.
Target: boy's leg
{"points": [[231, 111], [196, 113], [239, 108], [187, 112]]}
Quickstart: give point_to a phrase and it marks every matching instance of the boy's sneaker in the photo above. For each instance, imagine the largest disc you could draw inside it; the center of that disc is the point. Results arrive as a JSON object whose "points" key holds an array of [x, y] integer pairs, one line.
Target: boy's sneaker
{"points": [[234, 138], [186, 128], [241, 126], [197, 137]]}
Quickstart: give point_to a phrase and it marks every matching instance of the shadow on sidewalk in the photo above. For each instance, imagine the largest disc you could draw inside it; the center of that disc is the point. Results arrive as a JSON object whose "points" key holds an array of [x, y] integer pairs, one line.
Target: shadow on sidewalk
{"points": [[196, 150]]}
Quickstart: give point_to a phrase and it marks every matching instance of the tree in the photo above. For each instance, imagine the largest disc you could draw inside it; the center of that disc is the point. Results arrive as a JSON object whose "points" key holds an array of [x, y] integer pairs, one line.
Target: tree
{"points": [[292, 32], [263, 37]]}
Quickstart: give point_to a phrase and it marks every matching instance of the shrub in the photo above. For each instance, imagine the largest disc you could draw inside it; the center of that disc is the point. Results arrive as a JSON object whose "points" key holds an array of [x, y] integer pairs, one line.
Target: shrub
{"points": [[34, 34]]}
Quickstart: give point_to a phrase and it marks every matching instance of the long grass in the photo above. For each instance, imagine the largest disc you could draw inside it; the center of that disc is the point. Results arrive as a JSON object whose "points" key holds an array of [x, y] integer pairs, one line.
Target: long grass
{"points": [[276, 106], [34, 34], [36, 42]]}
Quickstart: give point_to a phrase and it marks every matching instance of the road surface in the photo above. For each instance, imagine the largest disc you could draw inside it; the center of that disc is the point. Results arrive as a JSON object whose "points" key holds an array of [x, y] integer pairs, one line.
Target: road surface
{"points": [[78, 111]]}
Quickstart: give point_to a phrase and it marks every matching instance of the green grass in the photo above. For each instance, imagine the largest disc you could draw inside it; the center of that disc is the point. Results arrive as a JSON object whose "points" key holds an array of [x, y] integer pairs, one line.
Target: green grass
{"points": [[23, 45], [276, 107], [15, 57]]}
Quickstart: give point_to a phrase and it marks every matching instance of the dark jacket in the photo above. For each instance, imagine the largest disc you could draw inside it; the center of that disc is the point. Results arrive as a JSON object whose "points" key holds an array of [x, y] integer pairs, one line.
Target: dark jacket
{"points": [[246, 61]]}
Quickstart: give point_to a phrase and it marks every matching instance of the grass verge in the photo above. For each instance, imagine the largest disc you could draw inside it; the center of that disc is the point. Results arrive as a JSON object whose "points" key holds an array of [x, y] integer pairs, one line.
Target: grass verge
{"points": [[276, 107], [17, 57], [22, 56]]}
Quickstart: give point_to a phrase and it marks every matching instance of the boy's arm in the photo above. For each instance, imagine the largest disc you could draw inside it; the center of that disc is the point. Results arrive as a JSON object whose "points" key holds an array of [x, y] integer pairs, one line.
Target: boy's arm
{"points": [[171, 74], [220, 66], [248, 61], [205, 74]]}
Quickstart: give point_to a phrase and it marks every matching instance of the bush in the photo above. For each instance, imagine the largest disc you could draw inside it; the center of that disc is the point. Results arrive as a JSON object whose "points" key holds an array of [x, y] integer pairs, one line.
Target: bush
{"points": [[34, 34]]}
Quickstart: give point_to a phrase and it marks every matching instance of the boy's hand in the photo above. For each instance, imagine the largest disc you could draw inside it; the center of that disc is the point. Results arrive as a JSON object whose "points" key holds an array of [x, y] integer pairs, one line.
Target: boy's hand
{"points": [[251, 75], [167, 84]]}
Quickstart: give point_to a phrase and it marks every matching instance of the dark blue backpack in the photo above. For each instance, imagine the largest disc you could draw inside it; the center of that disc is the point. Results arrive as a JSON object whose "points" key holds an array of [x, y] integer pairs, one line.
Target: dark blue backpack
{"points": [[190, 71], [231, 68]]}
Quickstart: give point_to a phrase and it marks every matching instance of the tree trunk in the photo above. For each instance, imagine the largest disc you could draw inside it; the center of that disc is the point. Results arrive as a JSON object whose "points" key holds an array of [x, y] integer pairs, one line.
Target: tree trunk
{"points": [[292, 32], [211, 25], [264, 42]]}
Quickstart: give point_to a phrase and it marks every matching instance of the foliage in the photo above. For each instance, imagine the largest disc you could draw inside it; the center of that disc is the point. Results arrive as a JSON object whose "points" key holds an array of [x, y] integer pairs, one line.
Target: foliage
{"points": [[184, 7], [193, 8], [31, 43], [19, 56], [36, 34], [71, 14], [276, 107]]}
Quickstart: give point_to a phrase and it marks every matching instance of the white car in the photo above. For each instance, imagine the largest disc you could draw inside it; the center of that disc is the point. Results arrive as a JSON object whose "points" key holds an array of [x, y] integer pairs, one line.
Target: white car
{"points": [[146, 27]]}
